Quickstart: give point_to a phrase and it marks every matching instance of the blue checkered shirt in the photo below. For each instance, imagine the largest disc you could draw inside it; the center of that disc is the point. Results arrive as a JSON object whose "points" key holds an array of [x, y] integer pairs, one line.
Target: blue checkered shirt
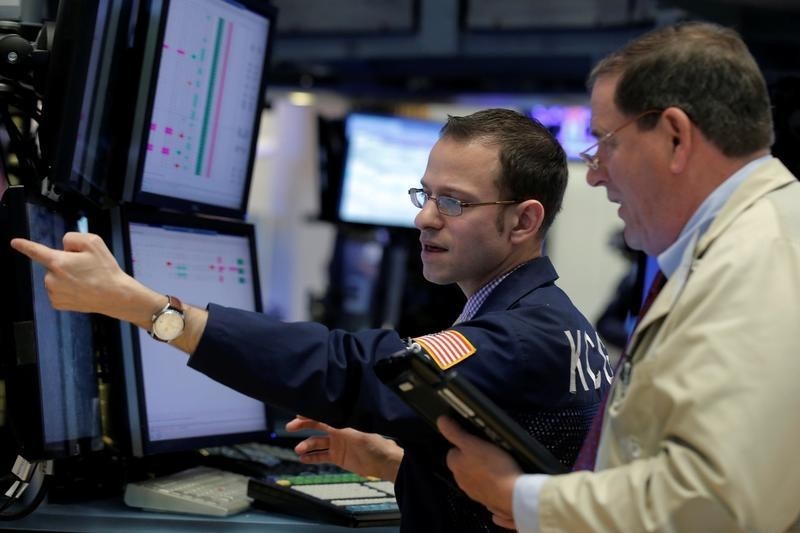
{"points": [[475, 301]]}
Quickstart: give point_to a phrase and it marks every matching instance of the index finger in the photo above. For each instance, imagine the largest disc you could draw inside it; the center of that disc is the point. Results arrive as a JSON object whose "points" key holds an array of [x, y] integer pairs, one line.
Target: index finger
{"points": [[450, 429], [38, 252], [300, 423]]}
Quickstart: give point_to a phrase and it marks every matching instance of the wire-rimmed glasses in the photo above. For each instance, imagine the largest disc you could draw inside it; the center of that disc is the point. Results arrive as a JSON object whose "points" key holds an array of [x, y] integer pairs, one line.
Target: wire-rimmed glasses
{"points": [[447, 205], [591, 155]]}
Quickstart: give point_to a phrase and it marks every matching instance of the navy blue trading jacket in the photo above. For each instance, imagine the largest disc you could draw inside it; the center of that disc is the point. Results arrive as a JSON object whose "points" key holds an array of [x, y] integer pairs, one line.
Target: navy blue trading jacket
{"points": [[537, 357]]}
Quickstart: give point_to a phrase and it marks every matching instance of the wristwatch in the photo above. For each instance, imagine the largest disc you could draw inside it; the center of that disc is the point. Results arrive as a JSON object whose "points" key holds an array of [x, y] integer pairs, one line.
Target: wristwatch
{"points": [[169, 321]]}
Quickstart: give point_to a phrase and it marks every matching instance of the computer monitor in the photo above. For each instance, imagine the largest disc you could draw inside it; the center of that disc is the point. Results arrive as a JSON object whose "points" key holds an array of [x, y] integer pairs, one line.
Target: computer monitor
{"points": [[386, 155], [571, 125], [199, 104], [85, 106], [48, 356], [171, 407]]}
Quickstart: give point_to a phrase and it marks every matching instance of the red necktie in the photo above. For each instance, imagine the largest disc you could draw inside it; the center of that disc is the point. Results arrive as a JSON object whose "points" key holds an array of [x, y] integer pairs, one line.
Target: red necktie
{"points": [[588, 452]]}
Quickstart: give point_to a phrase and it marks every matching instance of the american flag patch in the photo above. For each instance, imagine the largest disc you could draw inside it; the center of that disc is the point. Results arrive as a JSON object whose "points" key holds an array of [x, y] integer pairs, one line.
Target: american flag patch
{"points": [[447, 348]]}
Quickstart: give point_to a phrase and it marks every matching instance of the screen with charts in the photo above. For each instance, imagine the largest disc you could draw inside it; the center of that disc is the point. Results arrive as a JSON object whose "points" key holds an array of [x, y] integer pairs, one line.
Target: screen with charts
{"points": [[199, 261], [52, 390], [386, 155], [202, 127]]}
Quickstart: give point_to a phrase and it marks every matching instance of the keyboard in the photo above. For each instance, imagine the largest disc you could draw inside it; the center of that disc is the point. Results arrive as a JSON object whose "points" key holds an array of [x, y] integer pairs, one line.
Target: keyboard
{"points": [[260, 460], [267, 452], [339, 498], [200, 490]]}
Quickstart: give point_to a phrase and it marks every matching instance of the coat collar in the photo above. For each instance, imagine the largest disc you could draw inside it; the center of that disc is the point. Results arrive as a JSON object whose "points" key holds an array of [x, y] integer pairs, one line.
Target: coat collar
{"points": [[770, 176], [519, 283]]}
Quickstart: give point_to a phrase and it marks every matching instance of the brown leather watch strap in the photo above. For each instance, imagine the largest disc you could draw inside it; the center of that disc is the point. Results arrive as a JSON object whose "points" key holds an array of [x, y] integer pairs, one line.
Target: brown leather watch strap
{"points": [[175, 302]]}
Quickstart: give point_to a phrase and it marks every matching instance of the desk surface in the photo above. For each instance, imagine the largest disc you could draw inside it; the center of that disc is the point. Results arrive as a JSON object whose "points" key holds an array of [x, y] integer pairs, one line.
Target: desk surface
{"points": [[113, 515]]}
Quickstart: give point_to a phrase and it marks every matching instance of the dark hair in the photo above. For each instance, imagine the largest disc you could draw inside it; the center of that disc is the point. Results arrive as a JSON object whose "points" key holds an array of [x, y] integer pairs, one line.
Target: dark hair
{"points": [[704, 69], [533, 164]]}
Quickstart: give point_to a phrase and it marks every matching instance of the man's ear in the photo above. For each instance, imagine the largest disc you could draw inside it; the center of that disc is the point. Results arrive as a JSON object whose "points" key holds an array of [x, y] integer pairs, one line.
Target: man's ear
{"points": [[678, 126], [529, 219]]}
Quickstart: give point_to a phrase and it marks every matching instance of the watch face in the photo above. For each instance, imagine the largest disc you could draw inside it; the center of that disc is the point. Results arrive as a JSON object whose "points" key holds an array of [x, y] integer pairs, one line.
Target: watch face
{"points": [[168, 325]]}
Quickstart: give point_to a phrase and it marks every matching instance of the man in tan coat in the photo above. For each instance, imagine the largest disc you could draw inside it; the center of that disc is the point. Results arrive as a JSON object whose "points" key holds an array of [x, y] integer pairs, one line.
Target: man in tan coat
{"points": [[701, 429]]}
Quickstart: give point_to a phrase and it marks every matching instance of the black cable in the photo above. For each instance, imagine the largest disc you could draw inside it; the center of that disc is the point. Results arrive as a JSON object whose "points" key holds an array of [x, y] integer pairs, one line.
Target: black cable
{"points": [[6, 505]]}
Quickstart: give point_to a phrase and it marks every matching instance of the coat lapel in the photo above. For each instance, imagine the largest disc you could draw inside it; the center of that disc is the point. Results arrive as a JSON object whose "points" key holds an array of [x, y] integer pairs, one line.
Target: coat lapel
{"points": [[765, 179]]}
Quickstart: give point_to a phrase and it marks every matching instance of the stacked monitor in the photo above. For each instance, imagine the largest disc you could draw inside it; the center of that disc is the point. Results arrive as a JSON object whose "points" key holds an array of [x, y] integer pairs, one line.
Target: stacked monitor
{"points": [[86, 102], [150, 123], [194, 133], [199, 105], [48, 356], [386, 155], [171, 406]]}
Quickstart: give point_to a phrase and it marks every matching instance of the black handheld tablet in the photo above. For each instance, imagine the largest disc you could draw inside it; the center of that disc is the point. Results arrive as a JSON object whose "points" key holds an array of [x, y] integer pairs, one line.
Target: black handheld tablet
{"points": [[432, 392]]}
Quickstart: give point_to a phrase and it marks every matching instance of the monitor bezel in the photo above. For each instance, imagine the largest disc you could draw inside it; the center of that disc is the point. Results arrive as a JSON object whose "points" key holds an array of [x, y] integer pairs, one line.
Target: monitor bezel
{"points": [[132, 189], [135, 407]]}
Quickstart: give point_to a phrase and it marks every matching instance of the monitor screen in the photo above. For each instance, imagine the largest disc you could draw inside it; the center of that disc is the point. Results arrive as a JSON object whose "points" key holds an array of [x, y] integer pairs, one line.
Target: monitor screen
{"points": [[52, 389], [171, 406], [199, 130], [85, 102], [386, 155], [571, 125]]}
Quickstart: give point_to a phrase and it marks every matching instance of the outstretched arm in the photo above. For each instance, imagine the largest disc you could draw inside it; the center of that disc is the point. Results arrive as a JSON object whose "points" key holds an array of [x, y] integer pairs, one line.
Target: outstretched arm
{"points": [[85, 277], [485, 472], [366, 454]]}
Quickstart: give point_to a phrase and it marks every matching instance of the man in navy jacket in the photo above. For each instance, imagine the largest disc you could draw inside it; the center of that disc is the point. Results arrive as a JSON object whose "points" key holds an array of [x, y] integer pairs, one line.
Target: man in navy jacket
{"points": [[493, 184]]}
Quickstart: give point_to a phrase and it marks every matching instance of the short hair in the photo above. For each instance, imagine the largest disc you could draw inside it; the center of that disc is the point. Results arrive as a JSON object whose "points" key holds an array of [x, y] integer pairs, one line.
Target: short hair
{"points": [[702, 68], [533, 164]]}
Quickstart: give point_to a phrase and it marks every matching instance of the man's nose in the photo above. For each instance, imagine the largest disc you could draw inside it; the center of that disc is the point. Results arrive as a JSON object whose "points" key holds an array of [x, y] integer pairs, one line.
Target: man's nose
{"points": [[596, 177], [428, 216]]}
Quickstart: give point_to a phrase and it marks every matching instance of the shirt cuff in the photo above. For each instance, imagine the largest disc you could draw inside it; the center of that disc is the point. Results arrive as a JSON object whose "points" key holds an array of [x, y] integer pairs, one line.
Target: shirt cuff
{"points": [[526, 502]]}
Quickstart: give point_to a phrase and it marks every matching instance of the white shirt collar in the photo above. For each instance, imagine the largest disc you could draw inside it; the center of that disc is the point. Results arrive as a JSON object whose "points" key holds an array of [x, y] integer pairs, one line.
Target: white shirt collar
{"points": [[670, 259]]}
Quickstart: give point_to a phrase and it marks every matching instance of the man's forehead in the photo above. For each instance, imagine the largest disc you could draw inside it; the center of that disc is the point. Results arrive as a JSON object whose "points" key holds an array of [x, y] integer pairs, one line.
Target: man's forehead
{"points": [[605, 114], [460, 180]]}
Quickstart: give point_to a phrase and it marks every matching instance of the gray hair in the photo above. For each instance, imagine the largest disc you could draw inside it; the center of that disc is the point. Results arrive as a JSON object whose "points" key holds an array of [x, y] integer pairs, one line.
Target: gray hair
{"points": [[702, 68]]}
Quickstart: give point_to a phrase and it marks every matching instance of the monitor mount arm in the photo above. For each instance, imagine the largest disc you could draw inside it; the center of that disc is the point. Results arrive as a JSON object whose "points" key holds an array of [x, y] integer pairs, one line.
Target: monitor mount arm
{"points": [[24, 58]]}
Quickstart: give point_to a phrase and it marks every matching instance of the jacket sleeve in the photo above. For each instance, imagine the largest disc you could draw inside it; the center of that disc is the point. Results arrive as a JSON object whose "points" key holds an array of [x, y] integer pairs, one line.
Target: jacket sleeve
{"points": [[306, 368], [713, 404]]}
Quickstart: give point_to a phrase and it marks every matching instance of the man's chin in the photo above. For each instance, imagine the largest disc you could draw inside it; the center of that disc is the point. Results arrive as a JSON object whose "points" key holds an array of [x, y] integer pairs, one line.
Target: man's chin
{"points": [[436, 278], [632, 239]]}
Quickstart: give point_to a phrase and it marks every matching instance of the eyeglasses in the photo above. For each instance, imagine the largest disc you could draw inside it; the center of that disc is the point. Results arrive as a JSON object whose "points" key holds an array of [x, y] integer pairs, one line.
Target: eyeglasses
{"points": [[591, 154], [447, 205]]}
